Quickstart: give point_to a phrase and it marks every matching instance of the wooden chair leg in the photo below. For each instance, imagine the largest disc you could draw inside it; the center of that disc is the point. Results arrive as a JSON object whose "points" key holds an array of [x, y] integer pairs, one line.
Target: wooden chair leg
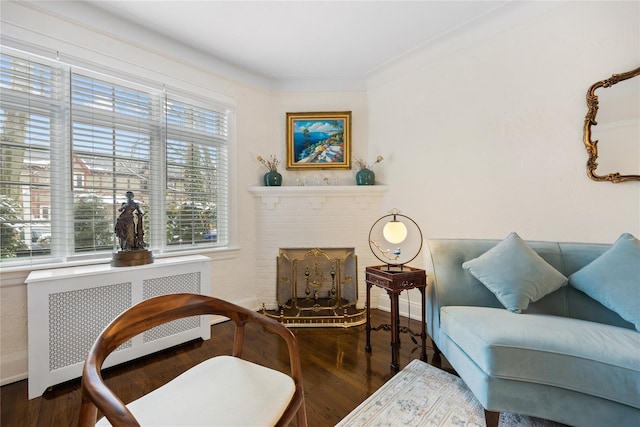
{"points": [[88, 414], [491, 419], [301, 417]]}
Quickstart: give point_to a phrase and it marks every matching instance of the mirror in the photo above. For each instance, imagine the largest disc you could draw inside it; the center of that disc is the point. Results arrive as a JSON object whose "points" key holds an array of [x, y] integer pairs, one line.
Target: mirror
{"points": [[618, 126]]}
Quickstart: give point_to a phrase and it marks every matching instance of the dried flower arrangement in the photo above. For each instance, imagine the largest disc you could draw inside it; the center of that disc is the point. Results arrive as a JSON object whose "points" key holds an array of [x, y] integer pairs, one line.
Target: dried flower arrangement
{"points": [[271, 164], [361, 164]]}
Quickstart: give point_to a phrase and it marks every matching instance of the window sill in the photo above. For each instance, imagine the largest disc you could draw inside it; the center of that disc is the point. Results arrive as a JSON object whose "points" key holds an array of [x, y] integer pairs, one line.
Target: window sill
{"points": [[216, 254]]}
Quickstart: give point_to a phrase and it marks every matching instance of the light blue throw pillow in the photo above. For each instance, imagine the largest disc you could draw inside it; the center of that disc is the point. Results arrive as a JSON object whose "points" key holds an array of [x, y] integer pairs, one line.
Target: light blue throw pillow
{"points": [[515, 273], [613, 279]]}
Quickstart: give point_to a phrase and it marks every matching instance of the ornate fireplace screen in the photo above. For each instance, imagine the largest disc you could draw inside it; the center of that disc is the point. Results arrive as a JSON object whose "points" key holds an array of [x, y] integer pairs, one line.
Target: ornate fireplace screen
{"points": [[317, 287]]}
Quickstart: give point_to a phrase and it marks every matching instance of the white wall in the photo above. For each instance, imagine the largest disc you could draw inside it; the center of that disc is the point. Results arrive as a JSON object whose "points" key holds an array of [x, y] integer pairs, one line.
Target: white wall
{"points": [[486, 138], [232, 271], [260, 129], [479, 139]]}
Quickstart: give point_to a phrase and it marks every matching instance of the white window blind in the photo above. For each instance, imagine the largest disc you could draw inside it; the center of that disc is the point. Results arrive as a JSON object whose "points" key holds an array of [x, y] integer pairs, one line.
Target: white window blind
{"points": [[75, 141], [112, 130], [196, 171], [30, 119]]}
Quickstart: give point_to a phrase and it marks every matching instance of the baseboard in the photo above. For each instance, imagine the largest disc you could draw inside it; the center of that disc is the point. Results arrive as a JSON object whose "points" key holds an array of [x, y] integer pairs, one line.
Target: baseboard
{"points": [[412, 309], [14, 367]]}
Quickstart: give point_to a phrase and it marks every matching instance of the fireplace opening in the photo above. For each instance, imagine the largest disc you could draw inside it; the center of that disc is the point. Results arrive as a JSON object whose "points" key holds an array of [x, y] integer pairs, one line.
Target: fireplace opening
{"points": [[317, 287]]}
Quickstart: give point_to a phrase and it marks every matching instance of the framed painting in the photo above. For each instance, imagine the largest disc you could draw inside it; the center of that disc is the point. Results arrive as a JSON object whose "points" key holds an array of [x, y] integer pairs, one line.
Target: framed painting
{"points": [[319, 140]]}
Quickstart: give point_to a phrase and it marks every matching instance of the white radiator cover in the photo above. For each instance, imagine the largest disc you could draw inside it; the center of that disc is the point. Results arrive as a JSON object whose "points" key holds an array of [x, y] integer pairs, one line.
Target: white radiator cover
{"points": [[69, 307]]}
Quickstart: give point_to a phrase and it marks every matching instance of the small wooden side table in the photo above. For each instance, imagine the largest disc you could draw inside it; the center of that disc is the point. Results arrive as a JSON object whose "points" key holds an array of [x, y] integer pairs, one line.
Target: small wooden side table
{"points": [[395, 280]]}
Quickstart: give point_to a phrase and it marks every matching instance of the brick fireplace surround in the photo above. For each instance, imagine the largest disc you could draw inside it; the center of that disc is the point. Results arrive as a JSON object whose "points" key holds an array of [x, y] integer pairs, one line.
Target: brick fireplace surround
{"points": [[314, 217]]}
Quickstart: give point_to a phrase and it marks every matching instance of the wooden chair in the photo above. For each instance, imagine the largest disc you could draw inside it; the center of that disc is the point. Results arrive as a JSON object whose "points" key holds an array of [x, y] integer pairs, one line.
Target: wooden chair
{"points": [[223, 390]]}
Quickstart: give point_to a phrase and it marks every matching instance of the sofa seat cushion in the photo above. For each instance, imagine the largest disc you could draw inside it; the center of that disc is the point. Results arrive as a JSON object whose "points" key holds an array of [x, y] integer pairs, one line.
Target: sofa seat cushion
{"points": [[587, 357]]}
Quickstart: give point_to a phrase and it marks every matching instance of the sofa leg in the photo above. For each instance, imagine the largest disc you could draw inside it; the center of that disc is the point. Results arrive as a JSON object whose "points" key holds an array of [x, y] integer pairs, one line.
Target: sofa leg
{"points": [[491, 419], [436, 361]]}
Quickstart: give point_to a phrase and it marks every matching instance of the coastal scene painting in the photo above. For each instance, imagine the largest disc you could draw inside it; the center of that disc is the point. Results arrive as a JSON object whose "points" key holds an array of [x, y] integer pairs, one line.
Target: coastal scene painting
{"points": [[319, 140]]}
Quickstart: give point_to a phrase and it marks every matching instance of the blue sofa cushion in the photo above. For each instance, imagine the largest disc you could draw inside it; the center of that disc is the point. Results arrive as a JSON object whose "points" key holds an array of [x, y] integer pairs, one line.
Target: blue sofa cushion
{"points": [[515, 273], [587, 357], [613, 279]]}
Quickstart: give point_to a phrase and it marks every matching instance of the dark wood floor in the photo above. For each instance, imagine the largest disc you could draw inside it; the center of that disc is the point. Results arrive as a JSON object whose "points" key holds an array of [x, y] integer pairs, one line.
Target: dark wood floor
{"points": [[338, 373]]}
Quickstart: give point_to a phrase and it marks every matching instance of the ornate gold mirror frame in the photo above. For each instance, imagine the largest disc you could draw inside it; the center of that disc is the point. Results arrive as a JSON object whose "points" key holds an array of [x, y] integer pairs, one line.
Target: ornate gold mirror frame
{"points": [[590, 120]]}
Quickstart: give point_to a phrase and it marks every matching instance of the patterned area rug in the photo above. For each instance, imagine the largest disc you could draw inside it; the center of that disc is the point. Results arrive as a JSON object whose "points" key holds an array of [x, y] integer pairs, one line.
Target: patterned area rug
{"points": [[423, 395]]}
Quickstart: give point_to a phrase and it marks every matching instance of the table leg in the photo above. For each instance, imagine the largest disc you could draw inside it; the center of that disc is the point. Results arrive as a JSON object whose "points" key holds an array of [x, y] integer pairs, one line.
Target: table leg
{"points": [[367, 347], [395, 331], [423, 335]]}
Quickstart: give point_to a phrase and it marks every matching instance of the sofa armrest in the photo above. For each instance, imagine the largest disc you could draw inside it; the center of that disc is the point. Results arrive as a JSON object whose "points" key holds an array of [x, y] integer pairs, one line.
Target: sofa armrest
{"points": [[453, 285], [448, 283]]}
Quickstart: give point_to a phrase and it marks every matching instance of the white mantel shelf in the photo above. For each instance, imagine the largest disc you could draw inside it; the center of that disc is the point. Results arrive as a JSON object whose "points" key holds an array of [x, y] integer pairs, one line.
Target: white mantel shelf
{"points": [[317, 195]]}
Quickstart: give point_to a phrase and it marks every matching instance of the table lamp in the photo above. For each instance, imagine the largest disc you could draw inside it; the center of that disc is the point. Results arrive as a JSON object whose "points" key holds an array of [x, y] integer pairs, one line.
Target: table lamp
{"points": [[395, 239]]}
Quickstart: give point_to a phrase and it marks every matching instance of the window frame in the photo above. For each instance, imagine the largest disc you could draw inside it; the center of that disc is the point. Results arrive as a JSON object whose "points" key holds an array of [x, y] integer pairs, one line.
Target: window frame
{"points": [[63, 177]]}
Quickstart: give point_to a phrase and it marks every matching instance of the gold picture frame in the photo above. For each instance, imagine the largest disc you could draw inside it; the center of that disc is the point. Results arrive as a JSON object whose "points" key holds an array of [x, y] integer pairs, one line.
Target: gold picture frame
{"points": [[320, 140]]}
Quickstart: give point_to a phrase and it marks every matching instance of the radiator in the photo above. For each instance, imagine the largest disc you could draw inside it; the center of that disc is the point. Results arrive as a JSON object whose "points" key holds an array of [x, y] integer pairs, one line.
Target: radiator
{"points": [[69, 307]]}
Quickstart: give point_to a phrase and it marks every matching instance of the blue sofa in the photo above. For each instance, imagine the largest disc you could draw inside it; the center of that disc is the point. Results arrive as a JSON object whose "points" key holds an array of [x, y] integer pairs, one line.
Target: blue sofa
{"points": [[565, 358]]}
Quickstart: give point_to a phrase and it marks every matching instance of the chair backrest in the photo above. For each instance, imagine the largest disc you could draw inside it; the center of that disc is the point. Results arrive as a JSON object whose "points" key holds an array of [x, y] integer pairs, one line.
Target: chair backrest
{"points": [[157, 311]]}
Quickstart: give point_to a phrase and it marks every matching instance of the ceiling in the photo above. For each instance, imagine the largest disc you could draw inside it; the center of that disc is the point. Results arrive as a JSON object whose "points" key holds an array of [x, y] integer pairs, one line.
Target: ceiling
{"points": [[296, 45], [303, 40]]}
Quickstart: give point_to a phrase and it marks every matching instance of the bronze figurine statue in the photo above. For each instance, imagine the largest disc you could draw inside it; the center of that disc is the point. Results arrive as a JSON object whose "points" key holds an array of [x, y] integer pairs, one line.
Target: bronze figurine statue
{"points": [[129, 225], [129, 230]]}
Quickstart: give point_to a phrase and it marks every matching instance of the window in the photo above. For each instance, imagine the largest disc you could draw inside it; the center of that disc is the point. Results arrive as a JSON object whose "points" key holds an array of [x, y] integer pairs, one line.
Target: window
{"points": [[196, 173], [78, 180], [29, 108], [73, 142]]}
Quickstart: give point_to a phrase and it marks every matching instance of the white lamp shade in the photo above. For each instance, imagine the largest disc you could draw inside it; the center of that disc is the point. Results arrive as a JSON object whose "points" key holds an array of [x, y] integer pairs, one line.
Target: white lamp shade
{"points": [[395, 239], [394, 232]]}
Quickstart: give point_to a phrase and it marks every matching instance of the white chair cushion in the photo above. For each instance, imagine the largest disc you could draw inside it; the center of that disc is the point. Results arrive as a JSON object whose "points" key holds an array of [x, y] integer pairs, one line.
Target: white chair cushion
{"points": [[222, 391]]}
